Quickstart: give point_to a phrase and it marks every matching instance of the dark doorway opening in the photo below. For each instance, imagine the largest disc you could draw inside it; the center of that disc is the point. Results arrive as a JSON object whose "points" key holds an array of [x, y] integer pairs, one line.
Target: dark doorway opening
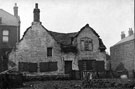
{"points": [[68, 67]]}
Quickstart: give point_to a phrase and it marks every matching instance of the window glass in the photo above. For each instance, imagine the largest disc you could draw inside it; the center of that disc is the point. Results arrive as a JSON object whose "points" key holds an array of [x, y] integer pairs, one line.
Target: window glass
{"points": [[5, 32], [5, 38]]}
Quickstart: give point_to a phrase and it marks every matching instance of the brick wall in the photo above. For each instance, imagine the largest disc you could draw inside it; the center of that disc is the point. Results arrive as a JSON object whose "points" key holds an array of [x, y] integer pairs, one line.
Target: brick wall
{"points": [[5, 48], [124, 53]]}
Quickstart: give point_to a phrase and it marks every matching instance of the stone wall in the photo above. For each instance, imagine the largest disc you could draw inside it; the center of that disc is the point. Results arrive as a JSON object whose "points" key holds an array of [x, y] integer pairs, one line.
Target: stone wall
{"points": [[89, 55], [33, 48], [95, 54]]}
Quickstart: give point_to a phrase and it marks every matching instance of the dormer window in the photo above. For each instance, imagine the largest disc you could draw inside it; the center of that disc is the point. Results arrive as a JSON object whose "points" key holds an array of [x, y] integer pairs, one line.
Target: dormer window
{"points": [[86, 44], [5, 36]]}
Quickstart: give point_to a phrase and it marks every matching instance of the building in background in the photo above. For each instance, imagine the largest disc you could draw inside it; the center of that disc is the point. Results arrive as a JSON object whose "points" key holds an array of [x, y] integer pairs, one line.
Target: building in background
{"points": [[41, 51], [123, 55], [9, 34]]}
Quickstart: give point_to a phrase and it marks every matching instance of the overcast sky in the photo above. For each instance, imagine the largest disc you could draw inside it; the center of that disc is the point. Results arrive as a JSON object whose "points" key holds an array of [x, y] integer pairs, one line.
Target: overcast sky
{"points": [[107, 17]]}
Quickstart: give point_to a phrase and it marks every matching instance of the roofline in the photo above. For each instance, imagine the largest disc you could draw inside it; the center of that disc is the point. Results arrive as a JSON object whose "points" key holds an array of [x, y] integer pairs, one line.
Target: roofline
{"points": [[121, 43], [24, 34], [9, 13], [50, 34], [8, 25], [87, 25]]}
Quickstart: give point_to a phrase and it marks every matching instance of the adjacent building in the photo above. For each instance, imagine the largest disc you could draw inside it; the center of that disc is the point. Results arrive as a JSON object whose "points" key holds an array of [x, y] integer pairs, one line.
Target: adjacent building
{"points": [[123, 54], [9, 34], [44, 52]]}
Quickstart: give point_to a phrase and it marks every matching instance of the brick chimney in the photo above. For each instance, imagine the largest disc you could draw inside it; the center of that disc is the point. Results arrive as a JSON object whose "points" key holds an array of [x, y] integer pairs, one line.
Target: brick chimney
{"points": [[16, 10], [36, 13], [130, 32], [122, 35]]}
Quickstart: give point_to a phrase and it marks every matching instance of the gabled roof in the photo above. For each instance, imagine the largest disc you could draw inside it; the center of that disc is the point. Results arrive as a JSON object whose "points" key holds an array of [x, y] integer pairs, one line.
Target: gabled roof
{"points": [[102, 47], [63, 38], [8, 19], [126, 39], [87, 25], [66, 38]]}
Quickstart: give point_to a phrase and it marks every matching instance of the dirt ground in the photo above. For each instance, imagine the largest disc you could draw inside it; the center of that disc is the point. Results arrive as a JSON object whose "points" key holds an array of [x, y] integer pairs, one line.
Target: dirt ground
{"points": [[59, 84], [72, 84]]}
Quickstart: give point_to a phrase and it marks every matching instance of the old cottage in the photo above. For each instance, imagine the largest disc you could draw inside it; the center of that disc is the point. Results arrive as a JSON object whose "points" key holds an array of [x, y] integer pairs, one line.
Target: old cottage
{"points": [[41, 51]]}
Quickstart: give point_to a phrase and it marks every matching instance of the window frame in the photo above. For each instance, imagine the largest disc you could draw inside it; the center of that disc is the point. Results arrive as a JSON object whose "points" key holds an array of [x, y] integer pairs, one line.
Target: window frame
{"points": [[48, 55], [5, 35], [87, 41]]}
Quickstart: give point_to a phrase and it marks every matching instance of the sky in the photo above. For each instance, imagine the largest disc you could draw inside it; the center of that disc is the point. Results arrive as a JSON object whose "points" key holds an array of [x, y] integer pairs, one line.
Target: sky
{"points": [[107, 17]]}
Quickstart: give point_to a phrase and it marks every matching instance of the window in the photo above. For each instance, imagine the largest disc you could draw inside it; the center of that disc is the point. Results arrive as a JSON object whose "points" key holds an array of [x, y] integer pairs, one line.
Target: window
{"points": [[49, 52], [5, 35], [27, 67], [86, 44], [87, 65], [48, 66]]}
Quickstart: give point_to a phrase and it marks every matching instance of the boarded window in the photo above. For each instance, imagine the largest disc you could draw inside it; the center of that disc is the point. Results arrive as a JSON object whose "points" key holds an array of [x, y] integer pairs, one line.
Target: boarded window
{"points": [[44, 67], [48, 66], [27, 67], [86, 65], [23, 66], [53, 66], [32, 67], [49, 52]]}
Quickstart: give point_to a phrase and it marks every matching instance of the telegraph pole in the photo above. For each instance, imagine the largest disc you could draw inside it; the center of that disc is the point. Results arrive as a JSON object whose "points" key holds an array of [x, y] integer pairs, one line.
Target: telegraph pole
{"points": [[134, 49], [134, 53]]}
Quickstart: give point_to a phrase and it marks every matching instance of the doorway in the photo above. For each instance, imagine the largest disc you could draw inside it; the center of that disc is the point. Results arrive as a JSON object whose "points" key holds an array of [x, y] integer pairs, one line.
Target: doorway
{"points": [[68, 67]]}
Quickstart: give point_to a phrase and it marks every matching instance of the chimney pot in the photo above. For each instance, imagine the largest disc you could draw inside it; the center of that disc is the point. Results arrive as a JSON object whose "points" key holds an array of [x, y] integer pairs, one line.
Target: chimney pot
{"points": [[130, 32], [36, 6], [16, 10], [122, 35]]}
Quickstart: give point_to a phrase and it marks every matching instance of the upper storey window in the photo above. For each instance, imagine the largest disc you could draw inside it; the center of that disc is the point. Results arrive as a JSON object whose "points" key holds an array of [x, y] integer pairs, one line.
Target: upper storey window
{"points": [[86, 44], [5, 36], [49, 52]]}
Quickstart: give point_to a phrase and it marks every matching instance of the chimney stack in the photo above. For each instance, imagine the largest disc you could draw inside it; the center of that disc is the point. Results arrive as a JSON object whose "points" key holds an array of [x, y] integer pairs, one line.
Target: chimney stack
{"points": [[16, 10], [36, 13], [122, 35], [130, 32]]}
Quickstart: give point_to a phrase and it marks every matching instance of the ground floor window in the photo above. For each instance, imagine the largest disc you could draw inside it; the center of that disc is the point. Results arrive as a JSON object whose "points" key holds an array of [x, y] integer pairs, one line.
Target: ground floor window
{"points": [[91, 65], [33, 67], [48, 66], [87, 65], [27, 67]]}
